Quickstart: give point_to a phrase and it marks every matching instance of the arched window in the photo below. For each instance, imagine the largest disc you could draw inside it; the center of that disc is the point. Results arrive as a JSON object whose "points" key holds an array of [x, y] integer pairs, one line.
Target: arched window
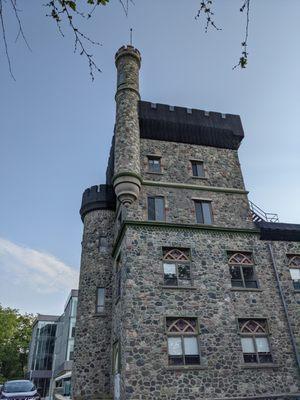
{"points": [[294, 265], [255, 341], [183, 347], [240, 258], [176, 266], [242, 270], [176, 254]]}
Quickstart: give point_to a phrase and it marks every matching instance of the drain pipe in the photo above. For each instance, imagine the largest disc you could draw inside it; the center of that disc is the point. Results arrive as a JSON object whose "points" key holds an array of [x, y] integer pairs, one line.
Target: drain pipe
{"points": [[294, 344]]}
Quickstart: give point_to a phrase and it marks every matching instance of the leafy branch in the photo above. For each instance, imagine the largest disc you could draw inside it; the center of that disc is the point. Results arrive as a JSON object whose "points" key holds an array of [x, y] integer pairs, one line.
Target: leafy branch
{"points": [[64, 13], [206, 10]]}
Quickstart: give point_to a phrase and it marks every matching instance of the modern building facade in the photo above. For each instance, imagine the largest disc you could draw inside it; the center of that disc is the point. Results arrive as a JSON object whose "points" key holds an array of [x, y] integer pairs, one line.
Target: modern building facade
{"points": [[51, 351], [186, 290], [64, 349], [40, 361]]}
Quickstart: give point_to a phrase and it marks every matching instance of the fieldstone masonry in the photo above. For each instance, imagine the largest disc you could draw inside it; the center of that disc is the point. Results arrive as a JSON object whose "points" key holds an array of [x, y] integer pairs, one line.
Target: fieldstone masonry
{"points": [[130, 267]]}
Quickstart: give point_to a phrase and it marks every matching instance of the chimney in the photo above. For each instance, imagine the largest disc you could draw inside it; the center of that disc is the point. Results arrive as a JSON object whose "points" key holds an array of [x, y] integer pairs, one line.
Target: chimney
{"points": [[127, 180]]}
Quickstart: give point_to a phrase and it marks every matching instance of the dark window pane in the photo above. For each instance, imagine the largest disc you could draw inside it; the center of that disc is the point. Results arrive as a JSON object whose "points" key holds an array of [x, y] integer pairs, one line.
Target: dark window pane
{"points": [[192, 360], [236, 283], [197, 167], [250, 358], [184, 272], [176, 360], [154, 164], [265, 357], [206, 207], [248, 273], [159, 209], [251, 284], [151, 208], [296, 285], [235, 273], [199, 212]]}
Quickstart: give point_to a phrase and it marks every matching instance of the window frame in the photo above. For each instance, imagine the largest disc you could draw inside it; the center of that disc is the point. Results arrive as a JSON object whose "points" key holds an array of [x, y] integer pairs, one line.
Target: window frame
{"points": [[253, 336], [118, 278], [164, 208], [116, 349], [177, 264], [290, 258], [197, 162], [157, 158], [101, 237], [181, 335], [97, 299], [201, 201], [242, 266]]}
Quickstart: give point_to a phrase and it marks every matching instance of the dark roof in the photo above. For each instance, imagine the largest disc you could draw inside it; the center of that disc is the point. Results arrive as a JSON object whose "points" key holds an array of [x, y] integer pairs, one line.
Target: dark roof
{"points": [[183, 125], [100, 197], [279, 231]]}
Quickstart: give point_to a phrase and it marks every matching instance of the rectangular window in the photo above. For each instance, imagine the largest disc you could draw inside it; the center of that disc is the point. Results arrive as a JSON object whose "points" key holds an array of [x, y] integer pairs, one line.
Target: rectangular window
{"points": [[242, 270], [102, 243], [198, 169], [176, 265], [255, 341], [295, 275], [203, 212], [100, 307], [116, 364], [183, 346], [118, 278], [154, 164], [156, 209], [294, 265]]}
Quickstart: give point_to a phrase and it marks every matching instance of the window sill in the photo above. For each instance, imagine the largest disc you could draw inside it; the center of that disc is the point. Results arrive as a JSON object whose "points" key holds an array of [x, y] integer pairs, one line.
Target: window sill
{"points": [[296, 290], [154, 173], [199, 177], [242, 289], [99, 315], [178, 287], [259, 366], [185, 367]]}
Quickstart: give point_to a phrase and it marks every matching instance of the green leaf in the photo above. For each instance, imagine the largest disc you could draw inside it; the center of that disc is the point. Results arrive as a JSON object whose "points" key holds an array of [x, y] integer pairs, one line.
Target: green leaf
{"points": [[72, 5]]}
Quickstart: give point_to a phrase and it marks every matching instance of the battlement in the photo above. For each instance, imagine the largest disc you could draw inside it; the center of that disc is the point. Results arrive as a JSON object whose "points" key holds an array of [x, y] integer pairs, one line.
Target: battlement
{"points": [[186, 125], [130, 51], [99, 197]]}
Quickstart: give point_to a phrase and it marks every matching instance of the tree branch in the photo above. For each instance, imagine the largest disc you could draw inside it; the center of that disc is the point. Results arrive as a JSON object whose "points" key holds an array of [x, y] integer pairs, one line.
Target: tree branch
{"points": [[5, 40]]}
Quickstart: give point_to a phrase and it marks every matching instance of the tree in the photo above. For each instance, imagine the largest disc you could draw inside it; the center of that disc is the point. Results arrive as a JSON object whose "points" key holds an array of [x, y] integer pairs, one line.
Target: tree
{"points": [[15, 335], [64, 13]]}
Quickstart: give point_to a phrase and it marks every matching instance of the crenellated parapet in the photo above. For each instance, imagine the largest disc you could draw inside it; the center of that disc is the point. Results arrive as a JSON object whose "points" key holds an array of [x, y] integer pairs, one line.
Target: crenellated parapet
{"points": [[99, 197]]}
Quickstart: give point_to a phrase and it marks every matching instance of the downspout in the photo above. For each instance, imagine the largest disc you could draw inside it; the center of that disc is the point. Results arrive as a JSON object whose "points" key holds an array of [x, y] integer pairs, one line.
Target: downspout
{"points": [[293, 340]]}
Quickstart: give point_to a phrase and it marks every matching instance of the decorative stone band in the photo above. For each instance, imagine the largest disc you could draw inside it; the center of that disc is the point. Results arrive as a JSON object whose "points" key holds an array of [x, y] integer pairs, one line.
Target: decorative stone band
{"points": [[99, 197], [194, 187], [169, 225]]}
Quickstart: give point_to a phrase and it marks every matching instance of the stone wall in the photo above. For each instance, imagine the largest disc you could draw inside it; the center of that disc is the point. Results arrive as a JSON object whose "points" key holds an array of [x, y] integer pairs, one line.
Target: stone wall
{"points": [[145, 303], [221, 166], [228, 209], [92, 360]]}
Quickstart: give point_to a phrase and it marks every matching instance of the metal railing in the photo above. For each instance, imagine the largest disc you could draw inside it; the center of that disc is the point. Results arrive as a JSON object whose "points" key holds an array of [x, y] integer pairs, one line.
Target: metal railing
{"points": [[258, 215]]}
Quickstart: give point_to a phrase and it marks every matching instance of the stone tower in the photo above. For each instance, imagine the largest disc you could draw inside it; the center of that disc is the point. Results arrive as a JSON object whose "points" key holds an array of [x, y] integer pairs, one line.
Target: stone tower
{"points": [[186, 292]]}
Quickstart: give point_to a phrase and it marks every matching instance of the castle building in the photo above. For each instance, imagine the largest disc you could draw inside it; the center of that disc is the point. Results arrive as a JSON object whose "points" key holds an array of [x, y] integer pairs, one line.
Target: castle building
{"points": [[187, 291]]}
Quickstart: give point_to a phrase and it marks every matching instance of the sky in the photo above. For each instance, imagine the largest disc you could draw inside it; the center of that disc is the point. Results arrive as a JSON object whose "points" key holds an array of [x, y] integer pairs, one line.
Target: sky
{"points": [[57, 125]]}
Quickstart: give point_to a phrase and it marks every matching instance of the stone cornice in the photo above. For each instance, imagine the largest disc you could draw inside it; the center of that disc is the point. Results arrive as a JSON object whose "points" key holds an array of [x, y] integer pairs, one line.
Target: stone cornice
{"points": [[175, 226], [194, 187]]}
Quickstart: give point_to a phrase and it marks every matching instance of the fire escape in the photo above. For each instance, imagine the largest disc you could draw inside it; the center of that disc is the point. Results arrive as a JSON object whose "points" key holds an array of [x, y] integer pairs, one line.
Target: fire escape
{"points": [[258, 215]]}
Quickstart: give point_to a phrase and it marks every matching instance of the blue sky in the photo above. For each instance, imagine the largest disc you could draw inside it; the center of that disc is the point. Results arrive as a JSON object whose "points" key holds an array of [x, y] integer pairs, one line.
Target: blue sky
{"points": [[56, 125]]}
